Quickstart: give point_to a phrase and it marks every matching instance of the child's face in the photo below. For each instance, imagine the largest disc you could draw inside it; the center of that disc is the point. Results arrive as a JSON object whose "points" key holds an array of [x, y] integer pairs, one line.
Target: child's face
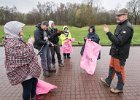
{"points": [[66, 30], [90, 30]]}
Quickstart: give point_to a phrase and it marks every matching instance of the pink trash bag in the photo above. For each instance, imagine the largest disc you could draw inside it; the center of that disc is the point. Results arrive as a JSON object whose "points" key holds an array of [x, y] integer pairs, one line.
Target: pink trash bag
{"points": [[44, 87], [90, 56], [67, 46]]}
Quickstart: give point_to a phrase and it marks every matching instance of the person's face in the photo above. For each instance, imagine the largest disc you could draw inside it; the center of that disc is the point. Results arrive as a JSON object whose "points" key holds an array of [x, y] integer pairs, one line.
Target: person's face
{"points": [[53, 25], [66, 29], [90, 30], [44, 27], [21, 33], [121, 18]]}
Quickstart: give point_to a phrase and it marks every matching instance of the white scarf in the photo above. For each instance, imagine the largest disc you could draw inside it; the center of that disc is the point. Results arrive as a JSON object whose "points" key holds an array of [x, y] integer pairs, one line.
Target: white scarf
{"points": [[50, 23]]}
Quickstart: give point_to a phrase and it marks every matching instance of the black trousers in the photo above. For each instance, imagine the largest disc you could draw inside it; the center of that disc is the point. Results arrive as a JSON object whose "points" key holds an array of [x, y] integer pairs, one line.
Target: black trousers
{"points": [[66, 55], [29, 88], [56, 49]]}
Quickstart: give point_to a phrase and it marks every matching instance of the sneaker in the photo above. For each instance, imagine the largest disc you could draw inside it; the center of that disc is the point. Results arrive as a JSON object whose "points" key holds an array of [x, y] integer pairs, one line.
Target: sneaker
{"points": [[104, 82], [116, 91], [46, 74], [61, 65], [53, 65]]}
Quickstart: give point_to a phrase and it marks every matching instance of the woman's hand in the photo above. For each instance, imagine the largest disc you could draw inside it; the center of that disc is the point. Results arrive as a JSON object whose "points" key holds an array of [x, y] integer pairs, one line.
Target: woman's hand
{"points": [[31, 40]]}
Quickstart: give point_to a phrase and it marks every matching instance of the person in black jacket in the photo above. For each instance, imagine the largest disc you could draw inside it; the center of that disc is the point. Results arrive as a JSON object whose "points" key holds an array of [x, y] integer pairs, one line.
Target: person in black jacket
{"points": [[121, 40], [42, 44], [93, 36], [54, 38]]}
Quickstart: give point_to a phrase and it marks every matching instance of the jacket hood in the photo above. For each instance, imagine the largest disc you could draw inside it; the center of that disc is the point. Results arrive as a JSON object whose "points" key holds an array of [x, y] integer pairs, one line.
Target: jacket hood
{"points": [[13, 28]]}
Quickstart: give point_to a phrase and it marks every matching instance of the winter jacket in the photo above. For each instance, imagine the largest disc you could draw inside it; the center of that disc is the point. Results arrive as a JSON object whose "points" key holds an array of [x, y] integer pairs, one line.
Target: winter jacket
{"points": [[39, 37], [53, 35], [121, 40], [63, 37]]}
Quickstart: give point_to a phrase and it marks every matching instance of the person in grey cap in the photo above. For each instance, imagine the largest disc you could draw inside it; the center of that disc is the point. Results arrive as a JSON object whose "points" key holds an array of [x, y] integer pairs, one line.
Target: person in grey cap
{"points": [[121, 40]]}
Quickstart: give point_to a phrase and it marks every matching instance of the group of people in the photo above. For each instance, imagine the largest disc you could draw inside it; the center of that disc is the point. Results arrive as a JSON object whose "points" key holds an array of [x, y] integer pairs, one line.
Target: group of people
{"points": [[47, 43], [21, 61]]}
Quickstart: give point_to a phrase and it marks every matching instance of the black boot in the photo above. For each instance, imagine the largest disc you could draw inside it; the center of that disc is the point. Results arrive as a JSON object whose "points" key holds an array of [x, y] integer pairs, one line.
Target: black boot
{"points": [[64, 55], [33, 98], [68, 56]]}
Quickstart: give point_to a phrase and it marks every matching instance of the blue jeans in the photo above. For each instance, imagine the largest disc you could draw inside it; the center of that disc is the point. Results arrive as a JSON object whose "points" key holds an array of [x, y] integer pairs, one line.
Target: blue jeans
{"points": [[46, 58]]}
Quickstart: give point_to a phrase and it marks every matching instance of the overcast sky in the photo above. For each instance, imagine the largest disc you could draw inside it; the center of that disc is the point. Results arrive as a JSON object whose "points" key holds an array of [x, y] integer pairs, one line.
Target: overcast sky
{"points": [[27, 5]]}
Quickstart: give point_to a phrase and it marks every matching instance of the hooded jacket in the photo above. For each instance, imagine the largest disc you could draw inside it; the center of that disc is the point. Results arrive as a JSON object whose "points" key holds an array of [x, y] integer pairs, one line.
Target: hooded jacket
{"points": [[39, 37], [66, 35]]}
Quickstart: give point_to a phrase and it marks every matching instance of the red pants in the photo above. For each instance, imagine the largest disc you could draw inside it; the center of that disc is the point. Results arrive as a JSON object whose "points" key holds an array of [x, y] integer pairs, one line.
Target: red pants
{"points": [[115, 64]]}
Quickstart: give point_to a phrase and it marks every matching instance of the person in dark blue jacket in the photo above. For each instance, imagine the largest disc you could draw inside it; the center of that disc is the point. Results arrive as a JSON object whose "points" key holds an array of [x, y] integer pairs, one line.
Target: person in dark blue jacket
{"points": [[42, 45], [93, 36]]}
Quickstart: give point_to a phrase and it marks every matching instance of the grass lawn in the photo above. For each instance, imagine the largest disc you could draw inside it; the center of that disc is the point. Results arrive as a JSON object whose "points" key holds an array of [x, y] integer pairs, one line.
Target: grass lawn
{"points": [[79, 33]]}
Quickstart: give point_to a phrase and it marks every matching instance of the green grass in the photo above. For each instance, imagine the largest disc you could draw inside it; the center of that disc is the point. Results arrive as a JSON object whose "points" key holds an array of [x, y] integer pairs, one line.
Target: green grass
{"points": [[80, 33]]}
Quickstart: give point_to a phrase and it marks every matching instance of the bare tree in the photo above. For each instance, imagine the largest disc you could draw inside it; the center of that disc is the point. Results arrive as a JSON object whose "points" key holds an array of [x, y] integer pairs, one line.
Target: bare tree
{"points": [[45, 9], [134, 10], [87, 13]]}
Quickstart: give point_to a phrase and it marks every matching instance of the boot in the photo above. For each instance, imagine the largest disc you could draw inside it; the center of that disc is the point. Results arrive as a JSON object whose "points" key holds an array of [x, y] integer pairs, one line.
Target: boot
{"points": [[64, 55], [46, 74], [61, 65], [33, 98], [68, 56]]}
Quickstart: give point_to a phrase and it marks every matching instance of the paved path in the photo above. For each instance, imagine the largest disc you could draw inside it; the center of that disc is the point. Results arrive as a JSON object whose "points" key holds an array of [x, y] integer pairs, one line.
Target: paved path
{"points": [[74, 84]]}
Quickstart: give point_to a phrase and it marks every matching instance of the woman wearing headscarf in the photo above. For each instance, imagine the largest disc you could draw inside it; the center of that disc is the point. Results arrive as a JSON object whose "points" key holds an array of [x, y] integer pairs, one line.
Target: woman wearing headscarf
{"points": [[21, 61]]}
